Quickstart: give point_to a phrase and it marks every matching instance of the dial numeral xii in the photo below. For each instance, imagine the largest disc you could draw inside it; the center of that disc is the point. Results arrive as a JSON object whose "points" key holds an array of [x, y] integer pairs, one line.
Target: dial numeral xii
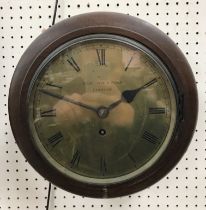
{"points": [[101, 56]]}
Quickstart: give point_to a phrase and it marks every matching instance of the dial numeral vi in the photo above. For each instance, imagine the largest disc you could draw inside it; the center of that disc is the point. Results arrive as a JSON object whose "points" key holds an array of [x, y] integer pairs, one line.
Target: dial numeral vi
{"points": [[103, 166]]}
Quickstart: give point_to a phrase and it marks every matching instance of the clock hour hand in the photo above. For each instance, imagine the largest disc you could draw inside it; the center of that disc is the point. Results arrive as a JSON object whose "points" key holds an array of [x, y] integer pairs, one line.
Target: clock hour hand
{"points": [[69, 100], [129, 95]]}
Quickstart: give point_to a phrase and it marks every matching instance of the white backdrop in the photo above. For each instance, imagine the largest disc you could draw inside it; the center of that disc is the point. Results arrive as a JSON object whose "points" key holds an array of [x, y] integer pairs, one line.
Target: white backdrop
{"points": [[21, 21]]}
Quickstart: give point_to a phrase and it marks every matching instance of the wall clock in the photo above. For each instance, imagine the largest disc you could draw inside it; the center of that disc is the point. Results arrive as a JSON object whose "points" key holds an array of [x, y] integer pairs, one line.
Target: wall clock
{"points": [[103, 104]]}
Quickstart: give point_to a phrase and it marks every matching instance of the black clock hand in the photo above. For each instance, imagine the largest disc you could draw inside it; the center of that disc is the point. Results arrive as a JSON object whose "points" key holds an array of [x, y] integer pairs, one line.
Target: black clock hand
{"points": [[129, 95], [113, 105], [72, 101]]}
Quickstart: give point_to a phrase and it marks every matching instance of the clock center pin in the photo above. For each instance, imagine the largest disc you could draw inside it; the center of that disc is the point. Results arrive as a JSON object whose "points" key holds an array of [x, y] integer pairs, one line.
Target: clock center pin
{"points": [[103, 112]]}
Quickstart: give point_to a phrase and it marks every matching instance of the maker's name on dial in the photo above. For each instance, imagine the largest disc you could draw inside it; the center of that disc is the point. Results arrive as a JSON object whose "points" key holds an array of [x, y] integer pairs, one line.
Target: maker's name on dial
{"points": [[102, 89], [103, 82]]}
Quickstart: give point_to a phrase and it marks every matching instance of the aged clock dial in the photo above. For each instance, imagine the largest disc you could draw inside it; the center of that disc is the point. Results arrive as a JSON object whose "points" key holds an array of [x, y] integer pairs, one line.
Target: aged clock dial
{"points": [[102, 108], [103, 104]]}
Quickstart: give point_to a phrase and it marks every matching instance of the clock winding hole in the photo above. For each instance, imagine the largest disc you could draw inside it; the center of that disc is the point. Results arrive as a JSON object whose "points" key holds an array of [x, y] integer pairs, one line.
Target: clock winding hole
{"points": [[102, 132]]}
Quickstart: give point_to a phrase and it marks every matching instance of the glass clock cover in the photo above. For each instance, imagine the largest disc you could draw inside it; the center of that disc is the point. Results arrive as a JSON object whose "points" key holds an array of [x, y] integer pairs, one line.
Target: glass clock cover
{"points": [[102, 108]]}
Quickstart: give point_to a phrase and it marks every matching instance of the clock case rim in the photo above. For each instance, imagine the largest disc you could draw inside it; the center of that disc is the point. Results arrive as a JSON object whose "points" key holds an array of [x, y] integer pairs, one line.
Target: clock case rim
{"points": [[116, 24]]}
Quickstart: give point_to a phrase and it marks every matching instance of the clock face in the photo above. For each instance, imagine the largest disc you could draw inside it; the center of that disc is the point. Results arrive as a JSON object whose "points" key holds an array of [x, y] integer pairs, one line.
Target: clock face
{"points": [[102, 109]]}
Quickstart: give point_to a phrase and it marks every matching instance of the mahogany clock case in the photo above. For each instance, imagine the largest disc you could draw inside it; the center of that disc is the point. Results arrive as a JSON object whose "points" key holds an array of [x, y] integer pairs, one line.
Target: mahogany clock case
{"points": [[121, 25]]}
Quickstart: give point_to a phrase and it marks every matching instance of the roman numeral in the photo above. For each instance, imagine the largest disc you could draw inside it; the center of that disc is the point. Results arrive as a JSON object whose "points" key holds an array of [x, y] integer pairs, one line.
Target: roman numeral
{"points": [[101, 56], [75, 159], [74, 64], [132, 158], [150, 137], [55, 139], [54, 85], [48, 113], [150, 83], [128, 63], [157, 110], [103, 166]]}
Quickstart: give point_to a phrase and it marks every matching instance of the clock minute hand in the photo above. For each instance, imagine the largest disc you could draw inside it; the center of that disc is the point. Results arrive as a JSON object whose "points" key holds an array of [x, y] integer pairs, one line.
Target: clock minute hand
{"points": [[72, 101]]}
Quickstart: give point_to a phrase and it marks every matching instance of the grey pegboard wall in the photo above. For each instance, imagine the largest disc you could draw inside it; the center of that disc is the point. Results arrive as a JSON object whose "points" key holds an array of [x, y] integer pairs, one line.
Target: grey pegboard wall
{"points": [[21, 22]]}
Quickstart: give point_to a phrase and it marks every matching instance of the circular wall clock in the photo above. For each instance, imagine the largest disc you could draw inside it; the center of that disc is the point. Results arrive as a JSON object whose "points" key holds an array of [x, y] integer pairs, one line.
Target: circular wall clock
{"points": [[103, 104]]}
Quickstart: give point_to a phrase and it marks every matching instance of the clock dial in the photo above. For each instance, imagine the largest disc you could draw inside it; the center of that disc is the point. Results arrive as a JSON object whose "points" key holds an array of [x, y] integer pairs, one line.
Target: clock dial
{"points": [[102, 109]]}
